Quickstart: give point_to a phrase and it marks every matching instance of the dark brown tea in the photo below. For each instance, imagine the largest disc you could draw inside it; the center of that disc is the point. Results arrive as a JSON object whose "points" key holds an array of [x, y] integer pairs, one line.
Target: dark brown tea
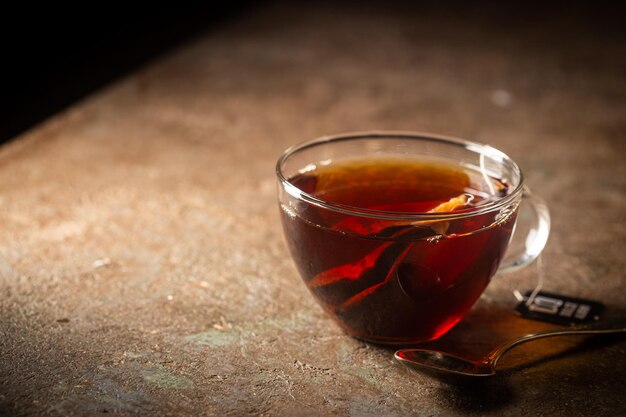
{"points": [[397, 281]]}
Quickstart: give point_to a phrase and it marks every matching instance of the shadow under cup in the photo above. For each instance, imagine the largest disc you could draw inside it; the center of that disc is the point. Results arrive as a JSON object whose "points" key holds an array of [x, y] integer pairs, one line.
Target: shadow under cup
{"points": [[399, 277]]}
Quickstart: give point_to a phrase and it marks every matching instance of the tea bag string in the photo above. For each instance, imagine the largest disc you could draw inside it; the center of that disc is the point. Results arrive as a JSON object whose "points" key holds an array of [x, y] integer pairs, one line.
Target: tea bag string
{"points": [[483, 171], [539, 264], [533, 294]]}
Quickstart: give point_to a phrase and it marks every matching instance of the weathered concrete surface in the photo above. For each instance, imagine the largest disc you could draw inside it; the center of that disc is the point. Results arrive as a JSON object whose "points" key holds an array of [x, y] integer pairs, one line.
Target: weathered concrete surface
{"points": [[142, 266]]}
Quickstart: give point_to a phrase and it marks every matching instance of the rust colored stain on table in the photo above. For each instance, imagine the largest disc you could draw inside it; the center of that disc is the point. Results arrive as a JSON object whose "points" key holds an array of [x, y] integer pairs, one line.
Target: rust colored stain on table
{"points": [[142, 266]]}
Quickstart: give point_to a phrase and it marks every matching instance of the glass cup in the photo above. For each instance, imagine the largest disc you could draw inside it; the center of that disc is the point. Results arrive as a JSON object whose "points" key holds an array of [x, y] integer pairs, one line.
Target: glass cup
{"points": [[403, 277]]}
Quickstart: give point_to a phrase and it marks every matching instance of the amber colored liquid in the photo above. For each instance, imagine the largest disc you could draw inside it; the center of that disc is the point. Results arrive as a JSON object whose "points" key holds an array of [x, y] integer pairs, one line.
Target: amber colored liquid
{"points": [[387, 282]]}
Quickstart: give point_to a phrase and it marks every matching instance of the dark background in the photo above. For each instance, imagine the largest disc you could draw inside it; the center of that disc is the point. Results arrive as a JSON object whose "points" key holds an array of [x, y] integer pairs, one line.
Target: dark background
{"points": [[53, 56]]}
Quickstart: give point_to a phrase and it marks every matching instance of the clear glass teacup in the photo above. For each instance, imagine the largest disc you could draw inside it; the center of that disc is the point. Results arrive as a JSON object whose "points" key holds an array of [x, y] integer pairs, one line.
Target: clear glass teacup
{"points": [[397, 234]]}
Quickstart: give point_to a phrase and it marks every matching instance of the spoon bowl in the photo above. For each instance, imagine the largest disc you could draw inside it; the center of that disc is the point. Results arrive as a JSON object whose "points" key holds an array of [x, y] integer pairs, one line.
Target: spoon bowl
{"points": [[444, 362]]}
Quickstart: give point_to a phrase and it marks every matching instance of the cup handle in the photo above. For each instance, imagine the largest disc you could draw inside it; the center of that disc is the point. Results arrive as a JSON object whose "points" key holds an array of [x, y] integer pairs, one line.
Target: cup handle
{"points": [[537, 235]]}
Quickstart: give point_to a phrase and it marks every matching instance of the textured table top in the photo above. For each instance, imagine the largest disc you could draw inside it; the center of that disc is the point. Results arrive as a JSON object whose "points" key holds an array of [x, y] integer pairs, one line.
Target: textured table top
{"points": [[142, 265]]}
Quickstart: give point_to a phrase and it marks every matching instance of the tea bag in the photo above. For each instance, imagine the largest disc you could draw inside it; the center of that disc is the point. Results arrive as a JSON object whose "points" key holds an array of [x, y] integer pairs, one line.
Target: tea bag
{"points": [[452, 204], [440, 227]]}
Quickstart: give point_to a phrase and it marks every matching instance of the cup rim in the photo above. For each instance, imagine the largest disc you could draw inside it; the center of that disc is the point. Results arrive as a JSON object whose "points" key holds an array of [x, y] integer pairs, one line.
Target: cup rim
{"points": [[476, 147]]}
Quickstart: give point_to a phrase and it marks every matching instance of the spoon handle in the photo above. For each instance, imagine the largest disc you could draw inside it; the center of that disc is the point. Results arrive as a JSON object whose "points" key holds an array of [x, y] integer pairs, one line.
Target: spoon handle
{"points": [[497, 353]]}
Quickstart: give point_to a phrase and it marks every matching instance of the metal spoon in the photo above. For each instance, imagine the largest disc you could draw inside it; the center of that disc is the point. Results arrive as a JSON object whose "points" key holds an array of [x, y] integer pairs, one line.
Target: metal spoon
{"points": [[434, 360]]}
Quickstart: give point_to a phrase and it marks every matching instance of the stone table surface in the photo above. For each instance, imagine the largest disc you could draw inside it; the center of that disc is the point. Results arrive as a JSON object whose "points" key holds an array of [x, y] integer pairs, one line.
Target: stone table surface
{"points": [[142, 265]]}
